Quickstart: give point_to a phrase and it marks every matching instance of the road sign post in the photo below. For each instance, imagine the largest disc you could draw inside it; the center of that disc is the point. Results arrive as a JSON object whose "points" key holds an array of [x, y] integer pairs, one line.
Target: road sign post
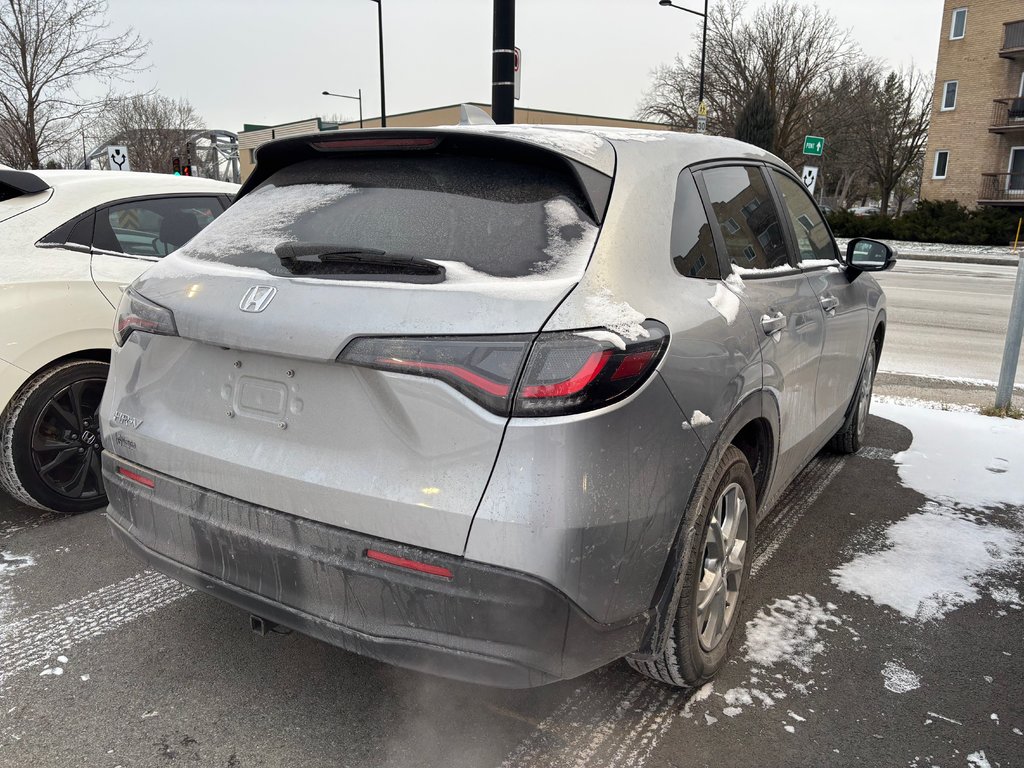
{"points": [[809, 177], [702, 118], [814, 145], [517, 69], [117, 158], [1011, 351]]}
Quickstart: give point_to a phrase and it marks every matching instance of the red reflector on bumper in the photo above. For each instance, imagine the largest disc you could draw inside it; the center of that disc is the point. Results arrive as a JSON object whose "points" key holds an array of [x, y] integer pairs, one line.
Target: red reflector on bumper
{"points": [[412, 565], [135, 477]]}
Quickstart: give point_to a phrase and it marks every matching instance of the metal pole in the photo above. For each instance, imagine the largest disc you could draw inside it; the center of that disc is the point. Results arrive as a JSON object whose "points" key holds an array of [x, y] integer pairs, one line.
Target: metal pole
{"points": [[703, 53], [360, 107], [503, 63], [1014, 331], [380, 37], [85, 154]]}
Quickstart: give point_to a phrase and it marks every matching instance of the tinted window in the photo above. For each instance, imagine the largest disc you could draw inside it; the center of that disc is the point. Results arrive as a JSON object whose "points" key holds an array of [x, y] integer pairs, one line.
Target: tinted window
{"points": [[747, 219], [693, 245], [813, 239], [498, 217], [76, 231], [153, 227]]}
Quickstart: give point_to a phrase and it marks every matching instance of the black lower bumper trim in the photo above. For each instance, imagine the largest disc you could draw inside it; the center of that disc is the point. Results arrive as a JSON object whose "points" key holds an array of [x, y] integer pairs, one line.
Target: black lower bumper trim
{"points": [[485, 625]]}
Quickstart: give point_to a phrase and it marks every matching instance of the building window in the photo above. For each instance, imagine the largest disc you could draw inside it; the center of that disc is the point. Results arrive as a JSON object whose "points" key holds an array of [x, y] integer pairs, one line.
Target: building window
{"points": [[958, 25], [941, 162], [949, 95]]}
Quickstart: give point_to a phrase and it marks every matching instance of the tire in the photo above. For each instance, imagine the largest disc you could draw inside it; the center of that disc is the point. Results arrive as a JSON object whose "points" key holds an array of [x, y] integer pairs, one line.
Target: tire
{"points": [[850, 436], [49, 439], [693, 652]]}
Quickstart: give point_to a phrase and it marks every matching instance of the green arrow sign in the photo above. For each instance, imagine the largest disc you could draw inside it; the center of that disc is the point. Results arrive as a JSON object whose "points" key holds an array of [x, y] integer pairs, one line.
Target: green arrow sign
{"points": [[814, 145]]}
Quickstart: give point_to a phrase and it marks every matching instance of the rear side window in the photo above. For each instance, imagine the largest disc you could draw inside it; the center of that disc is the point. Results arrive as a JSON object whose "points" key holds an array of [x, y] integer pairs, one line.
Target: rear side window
{"points": [[746, 217], [153, 227], [812, 236], [477, 215], [693, 244]]}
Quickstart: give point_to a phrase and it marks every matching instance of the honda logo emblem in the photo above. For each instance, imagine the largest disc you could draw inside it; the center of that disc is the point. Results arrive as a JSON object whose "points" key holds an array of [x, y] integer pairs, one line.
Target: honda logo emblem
{"points": [[257, 298]]}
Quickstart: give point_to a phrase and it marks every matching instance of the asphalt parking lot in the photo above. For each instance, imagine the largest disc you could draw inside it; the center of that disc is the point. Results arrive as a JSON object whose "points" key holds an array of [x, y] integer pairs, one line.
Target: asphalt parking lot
{"points": [[105, 664]]}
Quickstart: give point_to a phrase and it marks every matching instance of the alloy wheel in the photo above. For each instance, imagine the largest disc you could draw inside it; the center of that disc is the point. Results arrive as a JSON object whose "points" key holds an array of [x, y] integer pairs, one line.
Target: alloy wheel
{"points": [[724, 553], [66, 441], [867, 384]]}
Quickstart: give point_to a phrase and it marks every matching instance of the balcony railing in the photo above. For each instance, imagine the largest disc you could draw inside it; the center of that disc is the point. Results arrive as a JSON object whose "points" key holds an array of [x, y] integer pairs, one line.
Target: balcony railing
{"points": [[1007, 115], [1013, 40], [1002, 189]]}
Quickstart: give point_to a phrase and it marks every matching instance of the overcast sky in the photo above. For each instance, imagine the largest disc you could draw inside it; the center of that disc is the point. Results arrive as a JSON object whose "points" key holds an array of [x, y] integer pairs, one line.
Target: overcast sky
{"points": [[266, 61]]}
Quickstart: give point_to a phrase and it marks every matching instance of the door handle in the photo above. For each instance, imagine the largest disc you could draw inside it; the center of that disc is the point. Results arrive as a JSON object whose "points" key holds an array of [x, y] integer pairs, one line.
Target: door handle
{"points": [[829, 304], [773, 323]]}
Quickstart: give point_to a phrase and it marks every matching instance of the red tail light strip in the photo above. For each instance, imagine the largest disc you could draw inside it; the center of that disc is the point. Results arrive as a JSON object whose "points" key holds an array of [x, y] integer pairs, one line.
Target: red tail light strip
{"points": [[633, 365], [578, 381], [412, 565], [491, 387], [135, 477]]}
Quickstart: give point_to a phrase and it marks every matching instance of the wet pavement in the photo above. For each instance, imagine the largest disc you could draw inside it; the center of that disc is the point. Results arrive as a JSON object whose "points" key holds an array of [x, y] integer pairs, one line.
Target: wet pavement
{"points": [[105, 664]]}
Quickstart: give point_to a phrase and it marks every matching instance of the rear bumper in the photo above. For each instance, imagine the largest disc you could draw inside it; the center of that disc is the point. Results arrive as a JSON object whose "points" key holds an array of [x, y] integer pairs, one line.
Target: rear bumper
{"points": [[486, 625]]}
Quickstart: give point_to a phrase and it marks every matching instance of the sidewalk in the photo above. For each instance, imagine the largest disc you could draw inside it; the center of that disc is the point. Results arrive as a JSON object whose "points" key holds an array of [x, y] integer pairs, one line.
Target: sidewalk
{"points": [[963, 254]]}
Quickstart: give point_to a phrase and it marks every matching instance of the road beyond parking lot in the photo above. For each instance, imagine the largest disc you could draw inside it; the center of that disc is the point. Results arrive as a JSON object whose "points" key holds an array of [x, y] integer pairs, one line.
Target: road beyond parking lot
{"points": [[883, 628]]}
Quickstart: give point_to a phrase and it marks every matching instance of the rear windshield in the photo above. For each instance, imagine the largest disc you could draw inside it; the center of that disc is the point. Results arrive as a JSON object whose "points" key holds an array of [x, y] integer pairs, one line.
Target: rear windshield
{"points": [[473, 214]]}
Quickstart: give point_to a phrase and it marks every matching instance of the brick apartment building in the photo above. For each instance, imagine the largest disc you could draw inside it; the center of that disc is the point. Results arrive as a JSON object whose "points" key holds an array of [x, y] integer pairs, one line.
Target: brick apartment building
{"points": [[975, 148]]}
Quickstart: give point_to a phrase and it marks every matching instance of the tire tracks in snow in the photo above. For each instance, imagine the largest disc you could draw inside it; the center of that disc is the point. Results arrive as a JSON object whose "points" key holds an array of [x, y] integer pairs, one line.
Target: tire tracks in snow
{"points": [[32, 640], [616, 718]]}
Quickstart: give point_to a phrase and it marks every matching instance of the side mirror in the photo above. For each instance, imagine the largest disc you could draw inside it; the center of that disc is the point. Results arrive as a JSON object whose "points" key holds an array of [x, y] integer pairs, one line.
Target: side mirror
{"points": [[866, 255]]}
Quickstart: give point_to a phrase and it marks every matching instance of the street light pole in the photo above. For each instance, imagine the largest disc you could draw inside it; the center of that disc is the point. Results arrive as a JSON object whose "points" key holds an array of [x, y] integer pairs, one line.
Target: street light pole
{"points": [[358, 98], [380, 39], [702, 110]]}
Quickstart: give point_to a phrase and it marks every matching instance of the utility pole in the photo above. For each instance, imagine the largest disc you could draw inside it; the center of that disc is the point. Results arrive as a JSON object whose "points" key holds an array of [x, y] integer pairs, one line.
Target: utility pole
{"points": [[503, 110], [380, 39]]}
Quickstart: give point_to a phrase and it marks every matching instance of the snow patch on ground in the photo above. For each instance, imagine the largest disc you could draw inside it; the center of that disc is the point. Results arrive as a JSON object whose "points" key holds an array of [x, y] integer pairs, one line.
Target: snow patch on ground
{"points": [[933, 562], [898, 678], [978, 760], [913, 402], [602, 308], [788, 631], [957, 470], [726, 303]]}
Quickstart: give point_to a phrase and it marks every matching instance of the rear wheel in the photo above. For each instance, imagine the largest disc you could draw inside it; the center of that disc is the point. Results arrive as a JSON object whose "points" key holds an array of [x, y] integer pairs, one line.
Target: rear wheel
{"points": [[850, 437], [50, 442], [714, 582]]}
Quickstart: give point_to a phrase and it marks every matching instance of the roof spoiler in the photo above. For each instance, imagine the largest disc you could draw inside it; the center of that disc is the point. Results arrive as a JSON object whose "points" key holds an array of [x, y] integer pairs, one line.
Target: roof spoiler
{"points": [[17, 183]]}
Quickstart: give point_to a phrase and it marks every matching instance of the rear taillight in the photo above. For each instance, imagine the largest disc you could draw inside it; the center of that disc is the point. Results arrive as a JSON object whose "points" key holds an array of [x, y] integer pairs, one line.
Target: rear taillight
{"points": [[550, 374], [137, 313]]}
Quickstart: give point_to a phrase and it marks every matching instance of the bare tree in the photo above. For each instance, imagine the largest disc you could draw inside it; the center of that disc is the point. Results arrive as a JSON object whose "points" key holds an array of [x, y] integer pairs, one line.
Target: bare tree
{"points": [[48, 49], [155, 129], [894, 129], [793, 51]]}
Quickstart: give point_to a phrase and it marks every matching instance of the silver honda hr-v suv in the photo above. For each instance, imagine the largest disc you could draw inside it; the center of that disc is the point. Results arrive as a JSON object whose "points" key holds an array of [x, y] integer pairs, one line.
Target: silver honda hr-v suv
{"points": [[497, 403]]}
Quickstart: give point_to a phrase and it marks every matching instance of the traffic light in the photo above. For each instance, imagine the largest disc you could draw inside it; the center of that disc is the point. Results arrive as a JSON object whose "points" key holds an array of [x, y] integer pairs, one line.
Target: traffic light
{"points": [[186, 170], [176, 166]]}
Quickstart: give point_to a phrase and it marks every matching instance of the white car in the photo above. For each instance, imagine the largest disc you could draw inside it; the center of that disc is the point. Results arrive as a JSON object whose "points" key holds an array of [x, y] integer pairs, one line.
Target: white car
{"points": [[70, 243]]}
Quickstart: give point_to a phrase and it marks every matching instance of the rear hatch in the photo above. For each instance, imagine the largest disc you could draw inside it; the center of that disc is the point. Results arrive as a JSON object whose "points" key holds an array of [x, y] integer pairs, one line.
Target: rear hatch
{"points": [[426, 262]]}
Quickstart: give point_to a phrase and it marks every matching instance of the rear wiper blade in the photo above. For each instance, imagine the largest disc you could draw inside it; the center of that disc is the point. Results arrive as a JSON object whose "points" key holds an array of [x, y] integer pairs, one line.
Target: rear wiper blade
{"points": [[296, 251], [355, 263]]}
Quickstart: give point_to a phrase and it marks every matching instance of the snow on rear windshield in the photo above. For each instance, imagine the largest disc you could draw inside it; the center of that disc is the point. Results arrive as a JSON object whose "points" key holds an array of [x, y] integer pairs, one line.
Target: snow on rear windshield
{"points": [[494, 217]]}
